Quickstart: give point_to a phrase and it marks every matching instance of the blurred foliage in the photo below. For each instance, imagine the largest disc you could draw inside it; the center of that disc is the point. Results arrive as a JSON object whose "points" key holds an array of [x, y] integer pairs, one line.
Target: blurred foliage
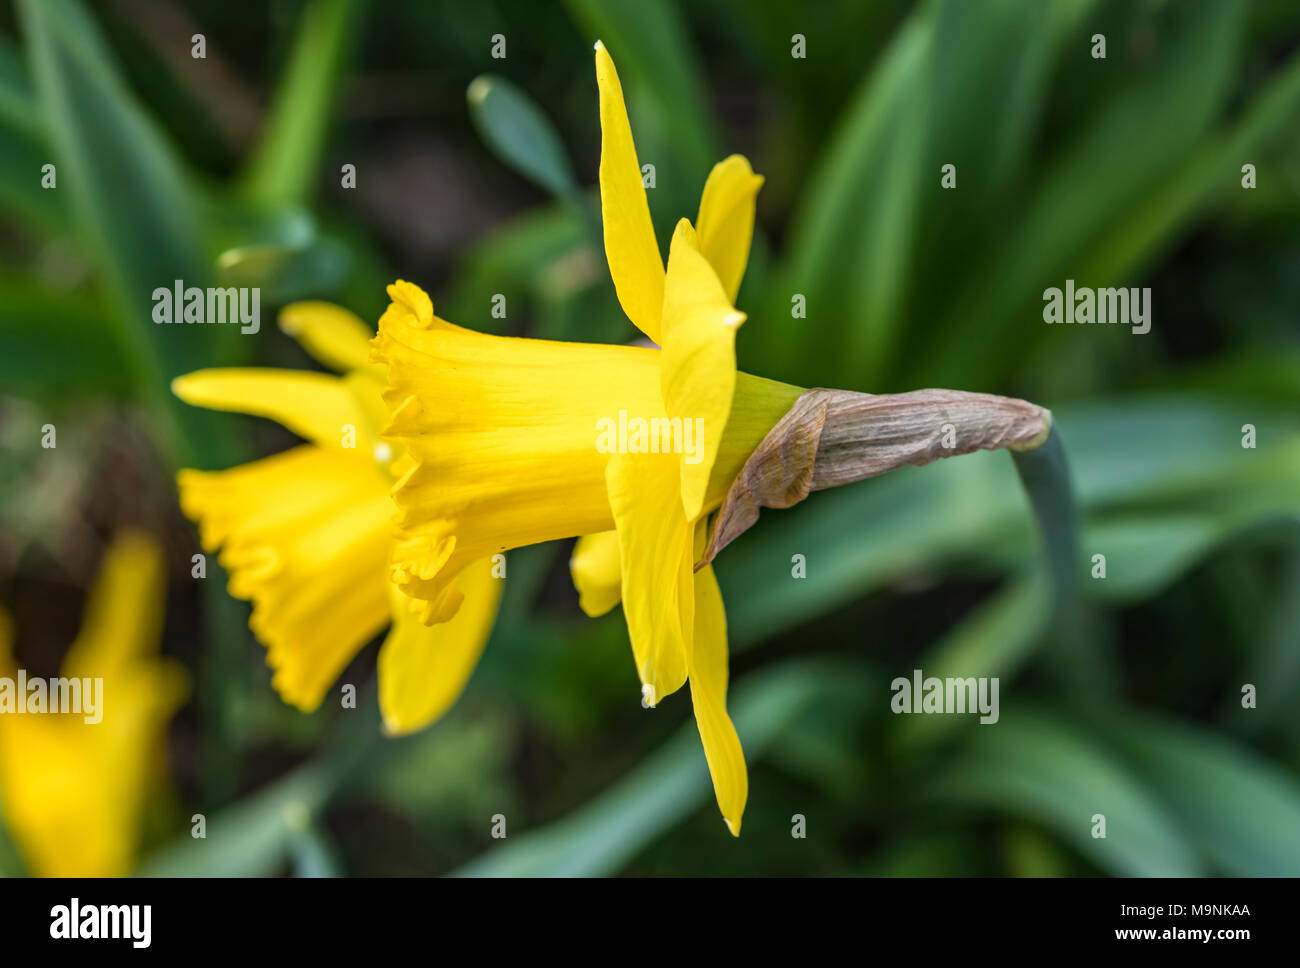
{"points": [[475, 177]]}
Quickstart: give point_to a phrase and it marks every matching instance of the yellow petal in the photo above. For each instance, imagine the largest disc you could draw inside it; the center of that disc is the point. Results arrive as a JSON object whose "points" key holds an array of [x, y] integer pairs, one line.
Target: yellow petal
{"points": [[333, 335], [73, 792], [316, 406], [423, 669], [597, 572], [305, 536], [122, 621], [726, 220], [367, 390], [698, 377], [656, 549], [630, 245], [708, 675]]}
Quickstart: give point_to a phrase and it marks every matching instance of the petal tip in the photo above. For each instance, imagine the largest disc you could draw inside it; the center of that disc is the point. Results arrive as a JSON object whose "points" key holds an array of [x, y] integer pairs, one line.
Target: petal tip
{"points": [[289, 319], [478, 90], [183, 387], [392, 728]]}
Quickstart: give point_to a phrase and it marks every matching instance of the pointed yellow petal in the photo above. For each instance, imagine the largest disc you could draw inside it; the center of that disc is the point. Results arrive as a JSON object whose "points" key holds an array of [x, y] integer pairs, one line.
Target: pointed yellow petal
{"points": [[597, 572], [73, 791], [726, 220], [630, 246], [656, 549], [124, 610], [305, 536], [423, 669], [316, 406], [333, 335], [708, 673], [367, 390], [698, 376]]}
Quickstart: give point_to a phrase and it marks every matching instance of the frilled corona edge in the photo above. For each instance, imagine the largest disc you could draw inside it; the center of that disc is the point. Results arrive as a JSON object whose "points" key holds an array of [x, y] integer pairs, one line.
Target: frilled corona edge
{"points": [[834, 437]]}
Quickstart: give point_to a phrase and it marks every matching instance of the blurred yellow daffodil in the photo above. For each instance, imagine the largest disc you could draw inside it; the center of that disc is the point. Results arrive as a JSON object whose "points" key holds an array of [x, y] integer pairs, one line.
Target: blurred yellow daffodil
{"points": [[306, 535], [502, 436], [73, 789]]}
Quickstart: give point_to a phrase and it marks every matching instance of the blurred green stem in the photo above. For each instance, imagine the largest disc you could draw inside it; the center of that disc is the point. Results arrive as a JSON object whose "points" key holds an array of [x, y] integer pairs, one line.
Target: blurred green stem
{"points": [[1045, 474], [286, 165]]}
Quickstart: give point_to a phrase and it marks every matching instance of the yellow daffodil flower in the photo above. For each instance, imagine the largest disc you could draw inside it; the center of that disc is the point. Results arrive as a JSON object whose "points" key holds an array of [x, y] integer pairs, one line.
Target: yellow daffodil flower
{"points": [[502, 433], [73, 790], [306, 535]]}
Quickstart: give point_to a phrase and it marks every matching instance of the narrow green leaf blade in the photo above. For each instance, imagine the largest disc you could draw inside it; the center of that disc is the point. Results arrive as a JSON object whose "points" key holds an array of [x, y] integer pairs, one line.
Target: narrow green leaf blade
{"points": [[1038, 767], [134, 207], [1243, 810], [286, 164], [605, 833], [520, 133], [249, 839]]}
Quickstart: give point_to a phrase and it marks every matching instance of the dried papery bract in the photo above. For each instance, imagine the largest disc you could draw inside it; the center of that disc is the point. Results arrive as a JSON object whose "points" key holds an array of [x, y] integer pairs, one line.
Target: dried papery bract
{"points": [[834, 437]]}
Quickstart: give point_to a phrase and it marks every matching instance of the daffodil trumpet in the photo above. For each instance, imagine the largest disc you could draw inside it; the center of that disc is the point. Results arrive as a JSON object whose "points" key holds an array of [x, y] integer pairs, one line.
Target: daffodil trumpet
{"points": [[306, 534], [499, 432]]}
